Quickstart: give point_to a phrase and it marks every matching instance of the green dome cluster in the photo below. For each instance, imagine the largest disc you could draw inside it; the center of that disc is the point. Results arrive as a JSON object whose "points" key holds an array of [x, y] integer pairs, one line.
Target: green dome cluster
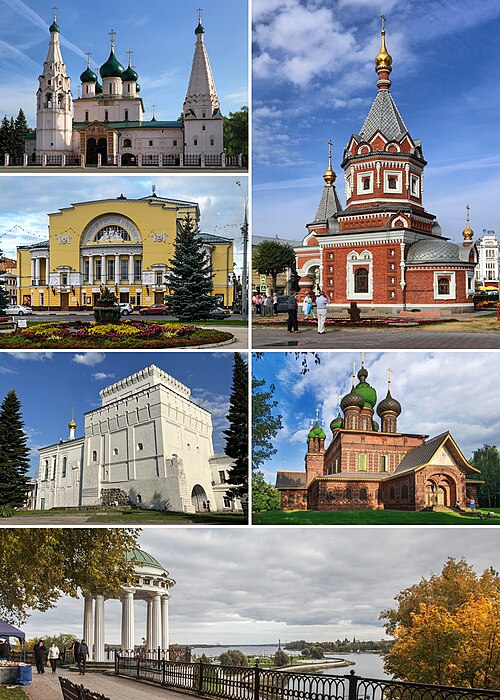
{"points": [[367, 392], [316, 432], [112, 68]]}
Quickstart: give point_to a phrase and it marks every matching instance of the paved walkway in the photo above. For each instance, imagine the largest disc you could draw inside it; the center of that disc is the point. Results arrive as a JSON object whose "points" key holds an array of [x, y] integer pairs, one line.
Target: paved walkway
{"points": [[76, 519], [355, 338], [46, 687]]}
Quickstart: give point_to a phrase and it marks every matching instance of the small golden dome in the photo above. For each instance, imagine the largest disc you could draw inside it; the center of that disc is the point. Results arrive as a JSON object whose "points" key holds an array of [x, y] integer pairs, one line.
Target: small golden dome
{"points": [[329, 176], [467, 233], [72, 425], [383, 60]]}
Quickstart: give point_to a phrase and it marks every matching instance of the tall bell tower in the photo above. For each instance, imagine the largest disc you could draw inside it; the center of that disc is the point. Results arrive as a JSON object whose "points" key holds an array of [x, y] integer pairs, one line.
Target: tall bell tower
{"points": [[54, 109]]}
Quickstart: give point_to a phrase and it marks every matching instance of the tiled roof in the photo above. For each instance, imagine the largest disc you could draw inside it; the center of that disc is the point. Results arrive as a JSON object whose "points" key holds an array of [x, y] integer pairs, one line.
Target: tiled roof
{"points": [[211, 238], [329, 204], [42, 244], [384, 117], [290, 480], [420, 455]]}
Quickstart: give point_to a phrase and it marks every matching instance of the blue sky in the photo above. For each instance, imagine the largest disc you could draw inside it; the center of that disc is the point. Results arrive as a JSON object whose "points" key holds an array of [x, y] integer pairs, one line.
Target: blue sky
{"points": [[48, 384], [26, 201], [314, 79], [438, 391], [161, 35]]}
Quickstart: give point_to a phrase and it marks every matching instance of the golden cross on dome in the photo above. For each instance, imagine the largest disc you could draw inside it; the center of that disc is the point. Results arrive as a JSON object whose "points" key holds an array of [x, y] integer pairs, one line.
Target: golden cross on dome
{"points": [[54, 10], [383, 22], [362, 359], [112, 35], [354, 365], [199, 11], [129, 54], [317, 414], [88, 54], [389, 372], [330, 144]]}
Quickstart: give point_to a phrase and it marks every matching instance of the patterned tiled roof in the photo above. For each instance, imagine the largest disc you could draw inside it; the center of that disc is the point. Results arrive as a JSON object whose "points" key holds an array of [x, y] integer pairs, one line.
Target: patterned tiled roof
{"points": [[329, 204], [384, 117], [290, 480], [431, 251], [420, 455]]}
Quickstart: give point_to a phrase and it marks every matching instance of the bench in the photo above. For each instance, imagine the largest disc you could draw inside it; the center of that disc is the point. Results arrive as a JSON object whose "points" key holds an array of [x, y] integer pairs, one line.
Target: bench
{"points": [[71, 691], [6, 321]]}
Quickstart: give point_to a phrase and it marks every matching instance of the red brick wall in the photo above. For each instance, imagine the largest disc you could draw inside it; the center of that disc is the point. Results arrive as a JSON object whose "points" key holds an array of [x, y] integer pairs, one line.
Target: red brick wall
{"points": [[332, 494], [293, 499], [349, 445], [420, 286]]}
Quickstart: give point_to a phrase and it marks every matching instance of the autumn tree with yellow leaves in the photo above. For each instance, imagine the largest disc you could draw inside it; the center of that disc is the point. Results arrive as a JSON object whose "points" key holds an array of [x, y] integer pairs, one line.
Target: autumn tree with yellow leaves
{"points": [[447, 629]]}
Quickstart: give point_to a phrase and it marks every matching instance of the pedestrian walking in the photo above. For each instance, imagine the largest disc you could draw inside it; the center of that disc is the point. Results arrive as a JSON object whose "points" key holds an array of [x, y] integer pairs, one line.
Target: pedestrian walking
{"points": [[83, 652], [321, 304], [53, 656], [74, 648], [275, 304], [256, 304], [293, 324], [268, 306], [208, 506], [40, 656]]}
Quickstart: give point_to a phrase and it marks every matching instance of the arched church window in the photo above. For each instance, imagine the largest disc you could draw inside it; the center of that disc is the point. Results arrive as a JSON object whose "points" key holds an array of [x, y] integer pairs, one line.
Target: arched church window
{"points": [[366, 183], [115, 451], [94, 456], [127, 143], [140, 446], [330, 495], [404, 492], [126, 111], [392, 183], [86, 116], [49, 101], [444, 285], [348, 494], [59, 101], [195, 142], [211, 142], [106, 116], [363, 495], [64, 466], [204, 115], [361, 281], [112, 233]]}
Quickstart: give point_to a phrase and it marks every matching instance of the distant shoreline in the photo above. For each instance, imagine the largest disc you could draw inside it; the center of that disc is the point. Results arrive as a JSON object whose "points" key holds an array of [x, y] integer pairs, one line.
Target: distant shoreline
{"points": [[332, 663]]}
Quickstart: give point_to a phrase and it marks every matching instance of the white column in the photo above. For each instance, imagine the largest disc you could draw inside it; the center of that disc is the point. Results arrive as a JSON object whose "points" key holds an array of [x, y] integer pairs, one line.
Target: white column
{"points": [[47, 271], [131, 269], [164, 622], [32, 270], [103, 269], [91, 269], [149, 625], [128, 634], [99, 629], [87, 623], [156, 621], [37, 270], [117, 269]]}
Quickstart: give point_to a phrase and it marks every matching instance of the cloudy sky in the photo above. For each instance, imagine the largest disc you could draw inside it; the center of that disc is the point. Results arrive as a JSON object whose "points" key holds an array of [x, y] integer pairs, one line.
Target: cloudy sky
{"points": [[314, 79], [161, 36], [243, 586], [438, 391], [25, 202], [49, 384]]}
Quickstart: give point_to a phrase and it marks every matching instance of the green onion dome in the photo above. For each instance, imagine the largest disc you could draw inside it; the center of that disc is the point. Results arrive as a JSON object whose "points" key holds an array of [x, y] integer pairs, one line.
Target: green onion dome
{"points": [[112, 68], [200, 29], [316, 432], [130, 75], [368, 393], [54, 27], [389, 404], [137, 88], [352, 399], [336, 423], [98, 88], [375, 426], [88, 76]]}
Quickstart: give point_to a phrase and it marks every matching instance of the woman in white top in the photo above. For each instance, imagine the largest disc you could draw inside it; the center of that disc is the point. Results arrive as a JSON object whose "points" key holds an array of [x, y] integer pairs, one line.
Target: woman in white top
{"points": [[305, 304], [53, 656]]}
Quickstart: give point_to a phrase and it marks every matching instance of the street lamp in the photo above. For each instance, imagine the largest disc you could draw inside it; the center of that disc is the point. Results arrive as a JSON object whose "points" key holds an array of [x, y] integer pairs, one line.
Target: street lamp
{"points": [[244, 276]]}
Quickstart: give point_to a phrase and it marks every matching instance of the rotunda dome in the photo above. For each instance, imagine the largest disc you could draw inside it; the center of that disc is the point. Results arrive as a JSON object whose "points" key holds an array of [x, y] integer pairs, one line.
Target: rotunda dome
{"points": [[433, 251], [139, 556]]}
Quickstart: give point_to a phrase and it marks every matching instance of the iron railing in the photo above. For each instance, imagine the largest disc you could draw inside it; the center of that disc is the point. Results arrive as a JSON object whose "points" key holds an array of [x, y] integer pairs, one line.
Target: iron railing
{"points": [[236, 683]]}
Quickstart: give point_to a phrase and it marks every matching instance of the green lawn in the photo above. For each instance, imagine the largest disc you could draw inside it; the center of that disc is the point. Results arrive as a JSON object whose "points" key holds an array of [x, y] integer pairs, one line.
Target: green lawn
{"points": [[135, 515], [370, 517], [12, 694]]}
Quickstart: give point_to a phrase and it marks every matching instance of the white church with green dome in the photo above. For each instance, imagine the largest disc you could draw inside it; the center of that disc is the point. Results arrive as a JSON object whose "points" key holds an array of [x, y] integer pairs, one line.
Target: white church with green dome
{"points": [[105, 124]]}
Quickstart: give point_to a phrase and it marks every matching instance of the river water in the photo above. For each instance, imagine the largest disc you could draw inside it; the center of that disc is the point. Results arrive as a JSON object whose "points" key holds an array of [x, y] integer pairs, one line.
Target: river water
{"points": [[366, 665]]}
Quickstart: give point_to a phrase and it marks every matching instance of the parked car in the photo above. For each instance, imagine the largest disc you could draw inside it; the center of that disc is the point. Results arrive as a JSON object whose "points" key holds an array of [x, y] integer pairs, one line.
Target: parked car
{"points": [[219, 313], [154, 309], [125, 308], [18, 310]]}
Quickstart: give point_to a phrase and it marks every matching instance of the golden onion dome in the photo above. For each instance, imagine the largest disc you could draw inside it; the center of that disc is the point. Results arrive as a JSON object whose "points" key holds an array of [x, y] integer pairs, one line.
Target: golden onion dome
{"points": [[329, 176], [467, 233], [383, 60]]}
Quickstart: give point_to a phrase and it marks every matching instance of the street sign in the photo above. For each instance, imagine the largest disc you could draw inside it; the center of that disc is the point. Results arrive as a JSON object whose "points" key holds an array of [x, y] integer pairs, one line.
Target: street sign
{"points": [[22, 323], [263, 280], [263, 289]]}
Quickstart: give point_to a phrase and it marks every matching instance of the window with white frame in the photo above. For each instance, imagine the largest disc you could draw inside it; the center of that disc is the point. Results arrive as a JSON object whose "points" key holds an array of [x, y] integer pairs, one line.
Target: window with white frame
{"points": [[365, 183], [360, 275], [415, 185], [444, 285], [227, 502], [393, 181]]}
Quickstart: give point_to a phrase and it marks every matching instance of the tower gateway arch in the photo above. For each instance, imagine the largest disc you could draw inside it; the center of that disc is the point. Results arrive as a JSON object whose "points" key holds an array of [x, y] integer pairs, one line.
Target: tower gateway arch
{"points": [[152, 584]]}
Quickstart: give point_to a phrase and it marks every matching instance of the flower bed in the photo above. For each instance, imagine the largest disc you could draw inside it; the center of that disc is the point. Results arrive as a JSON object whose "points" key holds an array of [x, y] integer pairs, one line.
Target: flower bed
{"points": [[128, 334]]}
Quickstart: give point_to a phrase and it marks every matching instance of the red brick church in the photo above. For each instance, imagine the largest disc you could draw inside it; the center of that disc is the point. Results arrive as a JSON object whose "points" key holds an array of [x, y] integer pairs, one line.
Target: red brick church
{"points": [[384, 251], [367, 466]]}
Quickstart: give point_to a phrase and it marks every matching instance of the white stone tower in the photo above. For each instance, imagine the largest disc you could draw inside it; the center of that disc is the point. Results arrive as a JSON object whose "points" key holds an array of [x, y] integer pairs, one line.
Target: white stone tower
{"points": [[54, 120], [203, 122]]}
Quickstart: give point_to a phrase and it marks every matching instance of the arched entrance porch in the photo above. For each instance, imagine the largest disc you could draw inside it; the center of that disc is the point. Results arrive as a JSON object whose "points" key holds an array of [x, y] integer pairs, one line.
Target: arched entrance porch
{"points": [[440, 491], [198, 497], [94, 147]]}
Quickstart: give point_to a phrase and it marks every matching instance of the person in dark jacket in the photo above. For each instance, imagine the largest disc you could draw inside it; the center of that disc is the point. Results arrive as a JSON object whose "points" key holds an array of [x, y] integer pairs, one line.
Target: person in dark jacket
{"points": [[40, 656], [83, 652], [75, 648], [293, 325]]}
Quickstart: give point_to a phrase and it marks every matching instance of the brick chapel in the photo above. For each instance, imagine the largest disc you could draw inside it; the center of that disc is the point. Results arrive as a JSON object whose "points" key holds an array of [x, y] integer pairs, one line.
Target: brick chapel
{"points": [[372, 467], [384, 251]]}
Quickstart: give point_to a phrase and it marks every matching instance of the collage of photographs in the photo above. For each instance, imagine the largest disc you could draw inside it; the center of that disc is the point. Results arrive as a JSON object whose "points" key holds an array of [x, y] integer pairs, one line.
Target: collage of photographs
{"points": [[249, 345]]}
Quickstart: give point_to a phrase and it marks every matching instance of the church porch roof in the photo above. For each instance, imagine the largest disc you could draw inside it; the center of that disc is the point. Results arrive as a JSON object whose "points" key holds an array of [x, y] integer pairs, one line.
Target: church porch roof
{"points": [[420, 456], [290, 480]]}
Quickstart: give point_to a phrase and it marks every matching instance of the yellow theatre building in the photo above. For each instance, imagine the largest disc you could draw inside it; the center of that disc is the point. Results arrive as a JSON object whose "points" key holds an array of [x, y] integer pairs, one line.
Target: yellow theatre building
{"points": [[125, 244]]}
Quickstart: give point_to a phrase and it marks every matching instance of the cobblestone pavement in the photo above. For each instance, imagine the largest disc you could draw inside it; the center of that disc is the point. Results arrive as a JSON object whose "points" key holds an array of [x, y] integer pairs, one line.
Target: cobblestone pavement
{"points": [[46, 687], [355, 338]]}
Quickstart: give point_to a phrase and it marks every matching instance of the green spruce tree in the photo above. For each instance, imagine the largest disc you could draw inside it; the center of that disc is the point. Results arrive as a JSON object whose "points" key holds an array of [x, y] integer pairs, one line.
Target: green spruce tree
{"points": [[190, 280], [237, 433], [6, 136], [14, 453], [21, 130]]}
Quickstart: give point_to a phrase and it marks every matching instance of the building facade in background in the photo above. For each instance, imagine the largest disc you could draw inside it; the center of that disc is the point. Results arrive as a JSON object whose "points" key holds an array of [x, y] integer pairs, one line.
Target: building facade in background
{"points": [[125, 244], [487, 270]]}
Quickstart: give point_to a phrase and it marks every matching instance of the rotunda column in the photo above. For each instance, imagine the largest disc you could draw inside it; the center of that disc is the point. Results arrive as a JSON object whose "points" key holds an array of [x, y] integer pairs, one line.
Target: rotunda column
{"points": [[32, 270], [99, 629], [128, 635], [131, 269], [91, 269], [149, 625], [37, 270], [87, 623], [103, 269], [156, 642], [117, 269], [164, 622], [47, 271]]}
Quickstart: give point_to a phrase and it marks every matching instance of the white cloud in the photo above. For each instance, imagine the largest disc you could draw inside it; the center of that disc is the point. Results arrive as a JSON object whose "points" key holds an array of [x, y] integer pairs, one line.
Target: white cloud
{"points": [[34, 356], [101, 376], [89, 359]]}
